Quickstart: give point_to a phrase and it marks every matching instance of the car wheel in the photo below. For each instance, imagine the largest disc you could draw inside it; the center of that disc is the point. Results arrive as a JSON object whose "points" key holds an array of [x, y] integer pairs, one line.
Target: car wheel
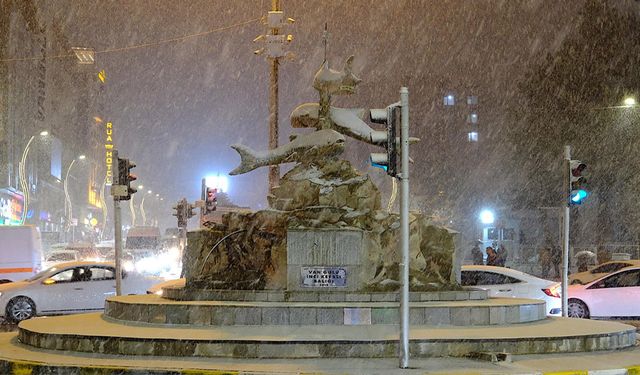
{"points": [[577, 309], [20, 308]]}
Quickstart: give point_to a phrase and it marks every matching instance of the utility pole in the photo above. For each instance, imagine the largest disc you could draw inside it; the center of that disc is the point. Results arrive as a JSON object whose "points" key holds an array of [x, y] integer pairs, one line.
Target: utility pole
{"points": [[274, 170], [274, 45], [565, 224]]}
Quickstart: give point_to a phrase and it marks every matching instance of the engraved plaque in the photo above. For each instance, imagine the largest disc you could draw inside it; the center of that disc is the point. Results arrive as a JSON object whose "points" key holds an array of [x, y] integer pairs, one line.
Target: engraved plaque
{"points": [[325, 277]]}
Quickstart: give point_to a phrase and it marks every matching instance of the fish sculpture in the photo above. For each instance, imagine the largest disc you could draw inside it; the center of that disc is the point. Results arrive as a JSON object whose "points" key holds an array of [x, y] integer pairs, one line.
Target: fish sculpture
{"points": [[323, 143], [333, 82], [347, 121]]}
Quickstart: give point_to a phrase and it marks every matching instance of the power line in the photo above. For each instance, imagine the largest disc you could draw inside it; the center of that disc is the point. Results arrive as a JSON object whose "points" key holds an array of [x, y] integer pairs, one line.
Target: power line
{"points": [[137, 46]]}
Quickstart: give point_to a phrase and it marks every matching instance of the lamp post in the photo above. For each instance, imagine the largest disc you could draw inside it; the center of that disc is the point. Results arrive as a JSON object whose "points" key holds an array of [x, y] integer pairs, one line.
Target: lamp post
{"points": [[23, 175], [68, 208], [629, 102], [144, 216]]}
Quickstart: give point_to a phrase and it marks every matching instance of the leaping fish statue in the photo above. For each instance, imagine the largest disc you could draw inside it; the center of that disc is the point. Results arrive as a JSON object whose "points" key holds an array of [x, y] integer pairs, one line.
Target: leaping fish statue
{"points": [[323, 143], [347, 121], [334, 82]]}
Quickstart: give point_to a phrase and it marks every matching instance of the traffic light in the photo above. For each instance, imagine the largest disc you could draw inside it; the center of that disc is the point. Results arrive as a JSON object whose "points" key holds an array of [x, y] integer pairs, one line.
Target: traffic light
{"points": [[125, 177], [180, 213], [189, 210], [210, 199], [389, 116], [577, 182]]}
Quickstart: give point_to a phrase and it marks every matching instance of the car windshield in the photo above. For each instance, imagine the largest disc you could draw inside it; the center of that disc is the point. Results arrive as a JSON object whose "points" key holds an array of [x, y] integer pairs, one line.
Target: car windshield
{"points": [[42, 273]]}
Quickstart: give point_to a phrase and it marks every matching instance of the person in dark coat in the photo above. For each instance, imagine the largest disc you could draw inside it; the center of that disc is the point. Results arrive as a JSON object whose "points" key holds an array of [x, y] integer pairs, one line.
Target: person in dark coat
{"points": [[492, 257], [476, 254], [502, 255]]}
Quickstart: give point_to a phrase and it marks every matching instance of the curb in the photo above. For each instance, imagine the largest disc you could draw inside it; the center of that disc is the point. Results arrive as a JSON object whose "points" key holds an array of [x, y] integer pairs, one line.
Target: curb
{"points": [[633, 370], [9, 367]]}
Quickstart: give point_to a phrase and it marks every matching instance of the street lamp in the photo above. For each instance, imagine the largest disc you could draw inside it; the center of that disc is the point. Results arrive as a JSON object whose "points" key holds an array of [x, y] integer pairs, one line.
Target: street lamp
{"points": [[630, 101], [23, 175], [144, 216], [68, 208], [487, 217]]}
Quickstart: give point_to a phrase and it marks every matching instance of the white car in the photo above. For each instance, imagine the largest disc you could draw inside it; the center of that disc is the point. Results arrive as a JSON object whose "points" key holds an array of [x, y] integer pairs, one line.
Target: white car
{"points": [[508, 283], [67, 288], [614, 295], [601, 270]]}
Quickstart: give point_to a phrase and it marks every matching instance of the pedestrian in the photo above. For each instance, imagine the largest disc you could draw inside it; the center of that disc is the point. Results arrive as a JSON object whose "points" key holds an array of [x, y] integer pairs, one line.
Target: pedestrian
{"points": [[502, 255], [544, 258], [492, 256], [476, 254]]}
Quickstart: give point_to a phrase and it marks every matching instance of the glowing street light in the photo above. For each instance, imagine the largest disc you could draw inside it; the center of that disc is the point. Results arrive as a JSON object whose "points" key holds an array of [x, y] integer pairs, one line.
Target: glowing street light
{"points": [[68, 207], [84, 55], [22, 173], [630, 102], [487, 217], [219, 182]]}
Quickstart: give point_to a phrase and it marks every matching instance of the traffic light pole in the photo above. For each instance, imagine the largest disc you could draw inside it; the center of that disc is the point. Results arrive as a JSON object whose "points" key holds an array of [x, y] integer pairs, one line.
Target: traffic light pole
{"points": [[117, 218], [404, 225], [565, 232]]}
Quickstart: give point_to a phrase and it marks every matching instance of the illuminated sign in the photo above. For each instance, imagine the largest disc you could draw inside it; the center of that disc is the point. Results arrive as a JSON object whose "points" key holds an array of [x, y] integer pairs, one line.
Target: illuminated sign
{"points": [[11, 205], [108, 145]]}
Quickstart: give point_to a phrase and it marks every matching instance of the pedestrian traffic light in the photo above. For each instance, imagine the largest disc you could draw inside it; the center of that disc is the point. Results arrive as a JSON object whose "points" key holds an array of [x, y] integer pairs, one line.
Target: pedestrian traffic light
{"points": [[125, 177], [211, 199], [389, 116], [577, 182]]}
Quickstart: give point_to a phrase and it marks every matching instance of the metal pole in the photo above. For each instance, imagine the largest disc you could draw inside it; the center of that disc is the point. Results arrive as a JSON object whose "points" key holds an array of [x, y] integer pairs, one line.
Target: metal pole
{"points": [[118, 244], [274, 170], [23, 180], [404, 225], [565, 232]]}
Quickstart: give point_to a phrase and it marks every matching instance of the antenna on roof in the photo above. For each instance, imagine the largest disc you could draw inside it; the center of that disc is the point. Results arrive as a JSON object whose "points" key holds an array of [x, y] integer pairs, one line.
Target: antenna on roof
{"points": [[325, 38]]}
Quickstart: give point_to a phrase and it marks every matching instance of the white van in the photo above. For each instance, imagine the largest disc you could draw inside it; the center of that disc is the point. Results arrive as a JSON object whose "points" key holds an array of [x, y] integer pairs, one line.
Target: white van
{"points": [[20, 252]]}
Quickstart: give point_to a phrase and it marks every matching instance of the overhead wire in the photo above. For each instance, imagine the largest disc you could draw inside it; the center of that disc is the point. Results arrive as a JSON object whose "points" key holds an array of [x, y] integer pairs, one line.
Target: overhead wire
{"points": [[137, 46]]}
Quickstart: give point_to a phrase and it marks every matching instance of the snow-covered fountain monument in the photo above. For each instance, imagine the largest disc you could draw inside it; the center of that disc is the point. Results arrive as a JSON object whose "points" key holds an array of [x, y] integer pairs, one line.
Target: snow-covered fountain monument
{"points": [[316, 275]]}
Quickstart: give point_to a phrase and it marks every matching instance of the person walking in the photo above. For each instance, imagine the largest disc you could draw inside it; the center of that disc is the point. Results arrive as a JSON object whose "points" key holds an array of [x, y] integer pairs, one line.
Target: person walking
{"points": [[502, 255], [492, 257], [476, 254]]}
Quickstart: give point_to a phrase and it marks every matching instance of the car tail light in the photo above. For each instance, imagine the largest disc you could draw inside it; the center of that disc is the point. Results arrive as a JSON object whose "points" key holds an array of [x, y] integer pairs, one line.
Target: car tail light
{"points": [[553, 291]]}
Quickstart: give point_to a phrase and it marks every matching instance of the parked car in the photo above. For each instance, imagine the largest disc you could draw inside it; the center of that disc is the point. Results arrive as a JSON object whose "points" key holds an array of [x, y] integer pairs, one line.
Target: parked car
{"points": [[67, 288], [509, 283], [614, 295], [175, 283], [601, 270]]}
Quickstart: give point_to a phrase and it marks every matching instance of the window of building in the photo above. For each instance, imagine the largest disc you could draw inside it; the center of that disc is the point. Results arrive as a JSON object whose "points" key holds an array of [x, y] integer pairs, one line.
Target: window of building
{"points": [[472, 100], [473, 136], [449, 100], [493, 234], [473, 118]]}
